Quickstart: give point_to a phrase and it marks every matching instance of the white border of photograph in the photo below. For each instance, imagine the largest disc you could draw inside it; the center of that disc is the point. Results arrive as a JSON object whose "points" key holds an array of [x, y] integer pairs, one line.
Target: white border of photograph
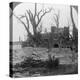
{"points": [[4, 40]]}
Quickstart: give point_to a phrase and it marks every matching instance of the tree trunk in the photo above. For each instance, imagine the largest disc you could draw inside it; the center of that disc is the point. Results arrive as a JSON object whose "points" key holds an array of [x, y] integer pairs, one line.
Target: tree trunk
{"points": [[73, 23]]}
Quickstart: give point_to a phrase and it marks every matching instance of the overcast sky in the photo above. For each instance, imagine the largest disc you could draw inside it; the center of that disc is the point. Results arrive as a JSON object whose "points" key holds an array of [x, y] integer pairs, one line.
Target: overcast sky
{"points": [[47, 21]]}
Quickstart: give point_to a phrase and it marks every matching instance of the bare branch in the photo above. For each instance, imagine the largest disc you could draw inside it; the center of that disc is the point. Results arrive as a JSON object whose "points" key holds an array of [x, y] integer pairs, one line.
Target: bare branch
{"points": [[39, 12], [27, 20], [25, 16], [40, 29], [35, 10], [22, 16], [31, 13], [19, 20], [45, 12], [23, 24], [56, 18], [32, 20], [75, 7]]}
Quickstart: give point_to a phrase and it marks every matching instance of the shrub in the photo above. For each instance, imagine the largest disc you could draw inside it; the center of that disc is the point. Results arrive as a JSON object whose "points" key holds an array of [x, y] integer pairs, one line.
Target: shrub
{"points": [[30, 62], [52, 62]]}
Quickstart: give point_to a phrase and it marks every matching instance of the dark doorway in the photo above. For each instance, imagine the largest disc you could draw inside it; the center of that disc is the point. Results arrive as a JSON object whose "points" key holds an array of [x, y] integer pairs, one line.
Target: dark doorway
{"points": [[56, 46]]}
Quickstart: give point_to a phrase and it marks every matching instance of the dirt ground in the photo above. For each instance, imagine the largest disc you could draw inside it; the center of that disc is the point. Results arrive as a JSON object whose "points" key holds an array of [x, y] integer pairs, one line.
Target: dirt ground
{"points": [[64, 55]]}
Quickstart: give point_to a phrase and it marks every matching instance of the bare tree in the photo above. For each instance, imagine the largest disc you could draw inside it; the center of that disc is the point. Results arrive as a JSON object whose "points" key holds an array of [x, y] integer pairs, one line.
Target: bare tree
{"points": [[75, 31], [71, 13], [56, 19], [34, 19], [76, 8]]}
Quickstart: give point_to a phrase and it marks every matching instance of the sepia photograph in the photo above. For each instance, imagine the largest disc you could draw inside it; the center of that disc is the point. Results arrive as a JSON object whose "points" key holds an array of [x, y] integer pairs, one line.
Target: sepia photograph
{"points": [[43, 39]]}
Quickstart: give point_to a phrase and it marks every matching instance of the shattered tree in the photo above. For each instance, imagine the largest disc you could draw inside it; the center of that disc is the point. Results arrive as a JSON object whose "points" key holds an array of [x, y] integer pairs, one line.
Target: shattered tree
{"points": [[35, 20]]}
